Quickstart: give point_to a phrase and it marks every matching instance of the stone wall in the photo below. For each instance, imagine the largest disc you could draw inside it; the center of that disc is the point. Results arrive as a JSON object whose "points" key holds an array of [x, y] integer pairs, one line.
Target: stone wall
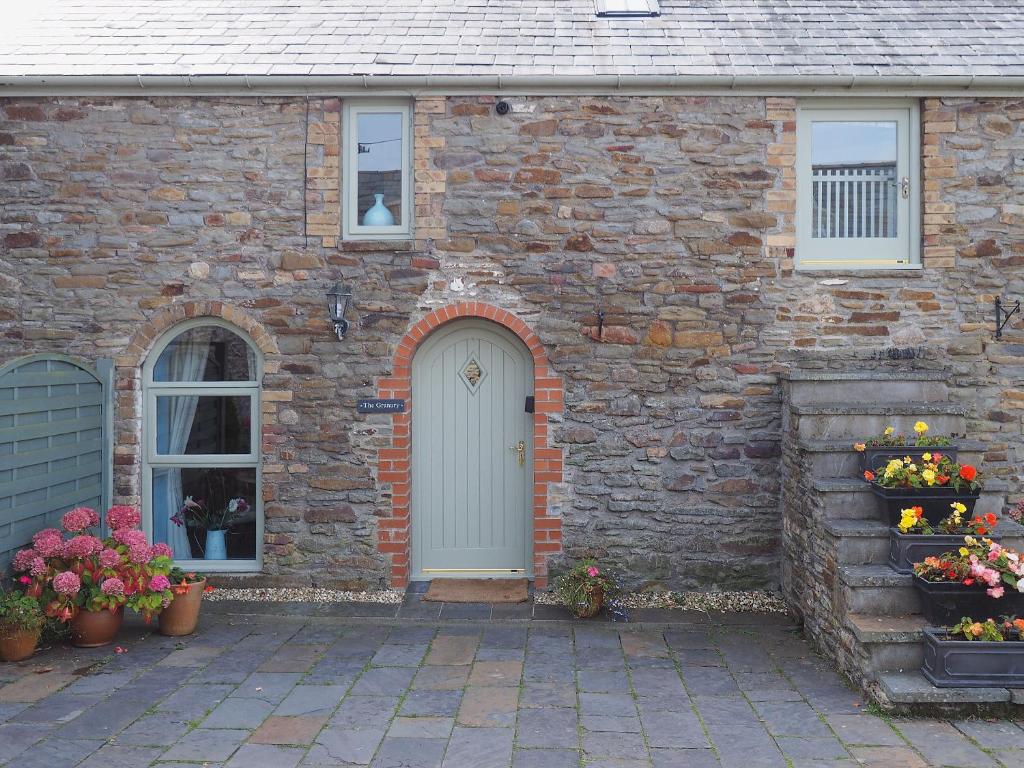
{"points": [[673, 216]]}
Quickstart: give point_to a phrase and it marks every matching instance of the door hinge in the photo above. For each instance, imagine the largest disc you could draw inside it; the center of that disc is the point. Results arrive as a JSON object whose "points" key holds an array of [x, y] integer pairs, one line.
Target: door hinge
{"points": [[529, 404]]}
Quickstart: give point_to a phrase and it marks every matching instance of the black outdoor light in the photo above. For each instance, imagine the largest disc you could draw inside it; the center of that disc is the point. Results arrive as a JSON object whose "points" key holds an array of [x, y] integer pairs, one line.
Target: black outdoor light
{"points": [[337, 302]]}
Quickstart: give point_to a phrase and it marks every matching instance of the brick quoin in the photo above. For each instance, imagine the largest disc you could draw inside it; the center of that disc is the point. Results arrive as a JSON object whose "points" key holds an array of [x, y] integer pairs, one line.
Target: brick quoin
{"points": [[394, 462]]}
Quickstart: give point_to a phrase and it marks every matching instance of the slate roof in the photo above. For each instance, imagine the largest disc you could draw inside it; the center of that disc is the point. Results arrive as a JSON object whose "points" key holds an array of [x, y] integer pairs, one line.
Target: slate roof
{"points": [[512, 37]]}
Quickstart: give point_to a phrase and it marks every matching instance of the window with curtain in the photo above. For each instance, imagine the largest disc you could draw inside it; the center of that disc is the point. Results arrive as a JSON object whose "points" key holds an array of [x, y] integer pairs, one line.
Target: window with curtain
{"points": [[202, 437]]}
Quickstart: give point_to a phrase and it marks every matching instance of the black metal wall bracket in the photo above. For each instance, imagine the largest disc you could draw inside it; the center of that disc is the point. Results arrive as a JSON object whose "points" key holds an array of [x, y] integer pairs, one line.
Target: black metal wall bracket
{"points": [[600, 324], [1003, 315]]}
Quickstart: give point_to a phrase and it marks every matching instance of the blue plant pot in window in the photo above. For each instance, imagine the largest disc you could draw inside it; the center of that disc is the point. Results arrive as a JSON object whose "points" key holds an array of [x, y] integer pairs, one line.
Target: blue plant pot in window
{"points": [[378, 215], [215, 548]]}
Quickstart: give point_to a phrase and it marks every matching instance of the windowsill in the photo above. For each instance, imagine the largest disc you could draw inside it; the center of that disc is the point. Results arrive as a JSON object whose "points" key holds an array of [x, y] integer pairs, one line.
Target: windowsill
{"points": [[403, 243], [908, 271], [219, 566]]}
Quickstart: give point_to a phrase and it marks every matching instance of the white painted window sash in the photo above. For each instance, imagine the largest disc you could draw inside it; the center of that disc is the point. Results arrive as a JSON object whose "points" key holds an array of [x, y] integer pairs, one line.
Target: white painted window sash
{"points": [[351, 228]]}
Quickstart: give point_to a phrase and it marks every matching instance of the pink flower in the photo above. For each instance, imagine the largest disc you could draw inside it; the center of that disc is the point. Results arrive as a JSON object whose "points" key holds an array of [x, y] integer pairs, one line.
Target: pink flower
{"points": [[67, 583], [48, 542], [81, 546], [130, 537], [995, 592], [38, 567], [110, 558], [24, 579], [23, 560], [592, 571], [162, 550], [78, 519], [122, 516], [140, 553], [113, 587], [159, 583]]}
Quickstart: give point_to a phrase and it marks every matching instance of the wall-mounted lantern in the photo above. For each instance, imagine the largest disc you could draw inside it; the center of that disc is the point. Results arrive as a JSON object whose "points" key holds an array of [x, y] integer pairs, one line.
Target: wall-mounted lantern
{"points": [[337, 303]]}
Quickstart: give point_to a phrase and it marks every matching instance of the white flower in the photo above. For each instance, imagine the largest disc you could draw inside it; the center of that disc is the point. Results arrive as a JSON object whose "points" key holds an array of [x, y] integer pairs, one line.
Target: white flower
{"points": [[233, 505]]}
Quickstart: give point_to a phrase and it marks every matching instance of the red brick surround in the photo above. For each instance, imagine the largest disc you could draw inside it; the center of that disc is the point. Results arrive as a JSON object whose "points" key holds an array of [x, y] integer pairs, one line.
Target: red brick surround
{"points": [[393, 464]]}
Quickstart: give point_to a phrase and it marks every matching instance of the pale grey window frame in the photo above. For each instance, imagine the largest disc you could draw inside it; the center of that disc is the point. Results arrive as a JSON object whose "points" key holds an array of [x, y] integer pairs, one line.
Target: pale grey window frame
{"points": [[150, 458], [351, 229], [861, 253], [629, 9]]}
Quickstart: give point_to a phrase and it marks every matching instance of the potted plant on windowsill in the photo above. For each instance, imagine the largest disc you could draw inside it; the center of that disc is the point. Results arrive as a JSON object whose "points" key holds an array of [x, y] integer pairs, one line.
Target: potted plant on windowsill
{"points": [[584, 588], [21, 622], [196, 513], [86, 581], [182, 615], [981, 578], [932, 484], [881, 449], [914, 538], [975, 654]]}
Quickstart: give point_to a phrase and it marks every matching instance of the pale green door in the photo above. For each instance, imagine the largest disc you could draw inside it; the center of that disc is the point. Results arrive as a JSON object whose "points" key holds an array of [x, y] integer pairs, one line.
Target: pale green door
{"points": [[471, 482]]}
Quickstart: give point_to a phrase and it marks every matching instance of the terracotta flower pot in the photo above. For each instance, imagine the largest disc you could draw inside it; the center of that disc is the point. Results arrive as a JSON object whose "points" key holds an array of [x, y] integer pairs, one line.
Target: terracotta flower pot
{"points": [[181, 616], [589, 606], [90, 629], [18, 645]]}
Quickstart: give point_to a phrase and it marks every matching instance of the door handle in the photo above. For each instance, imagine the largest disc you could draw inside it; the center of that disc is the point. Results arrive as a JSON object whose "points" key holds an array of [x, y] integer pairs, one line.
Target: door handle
{"points": [[905, 187], [520, 448]]}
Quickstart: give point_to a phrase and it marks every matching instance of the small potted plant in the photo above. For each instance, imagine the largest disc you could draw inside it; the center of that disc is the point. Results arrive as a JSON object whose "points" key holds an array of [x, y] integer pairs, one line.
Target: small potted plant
{"points": [[182, 615], [932, 484], [21, 622], [881, 449], [584, 588], [86, 582], [975, 654], [914, 538], [196, 513], [981, 578]]}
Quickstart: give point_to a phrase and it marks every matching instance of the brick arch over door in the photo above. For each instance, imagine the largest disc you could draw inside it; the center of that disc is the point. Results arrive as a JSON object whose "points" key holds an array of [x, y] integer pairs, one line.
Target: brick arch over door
{"points": [[394, 463]]}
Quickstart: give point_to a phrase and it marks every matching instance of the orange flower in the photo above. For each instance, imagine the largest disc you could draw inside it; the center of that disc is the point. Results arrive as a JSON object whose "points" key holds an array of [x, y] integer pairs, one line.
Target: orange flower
{"points": [[207, 589], [918, 512], [976, 629], [869, 475], [942, 479], [968, 473], [1019, 624], [182, 588]]}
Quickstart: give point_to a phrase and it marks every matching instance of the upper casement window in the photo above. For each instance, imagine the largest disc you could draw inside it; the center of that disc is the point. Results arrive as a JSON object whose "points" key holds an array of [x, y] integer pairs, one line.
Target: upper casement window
{"points": [[626, 8], [858, 185], [377, 171]]}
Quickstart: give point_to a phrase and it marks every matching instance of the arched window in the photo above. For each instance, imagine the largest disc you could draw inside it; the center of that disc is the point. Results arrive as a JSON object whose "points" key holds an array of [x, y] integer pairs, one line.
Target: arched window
{"points": [[201, 475]]}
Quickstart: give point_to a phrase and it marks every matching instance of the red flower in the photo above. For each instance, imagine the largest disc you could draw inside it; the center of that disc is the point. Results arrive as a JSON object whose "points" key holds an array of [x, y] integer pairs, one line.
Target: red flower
{"points": [[982, 530], [869, 475], [990, 519], [968, 582], [968, 473], [207, 589], [942, 479]]}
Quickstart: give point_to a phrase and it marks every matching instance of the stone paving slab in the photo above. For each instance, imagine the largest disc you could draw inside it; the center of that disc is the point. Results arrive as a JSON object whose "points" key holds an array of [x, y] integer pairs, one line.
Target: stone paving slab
{"points": [[296, 691]]}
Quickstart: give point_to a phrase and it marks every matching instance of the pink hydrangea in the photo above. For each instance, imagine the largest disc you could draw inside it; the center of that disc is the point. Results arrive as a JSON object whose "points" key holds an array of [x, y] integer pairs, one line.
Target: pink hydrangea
{"points": [[82, 546], [110, 558], [48, 542], [38, 567], [996, 592], [140, 553], [67, 583], [129, 537], [122, 516], [112, 586], [162, 550], [159, 583], [23, 560], [78, 519]]}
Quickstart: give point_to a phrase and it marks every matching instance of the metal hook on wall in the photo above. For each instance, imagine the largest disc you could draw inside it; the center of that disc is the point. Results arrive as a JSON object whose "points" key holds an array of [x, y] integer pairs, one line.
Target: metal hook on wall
{"points": [[1003, 315]]}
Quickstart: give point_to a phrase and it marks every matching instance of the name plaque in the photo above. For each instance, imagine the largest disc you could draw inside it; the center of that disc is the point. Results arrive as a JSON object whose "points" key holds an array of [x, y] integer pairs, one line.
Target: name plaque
{"points": [[380, 405]]}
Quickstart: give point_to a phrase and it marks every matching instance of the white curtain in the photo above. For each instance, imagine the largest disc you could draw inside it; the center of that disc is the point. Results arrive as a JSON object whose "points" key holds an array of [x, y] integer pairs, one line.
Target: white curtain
{"points": [[186, 361]]}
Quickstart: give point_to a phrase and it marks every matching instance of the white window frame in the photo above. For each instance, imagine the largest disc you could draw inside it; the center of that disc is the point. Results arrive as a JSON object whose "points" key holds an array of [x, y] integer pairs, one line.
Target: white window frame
{"points": [[901, 252], [351, 228], [151, 459]]}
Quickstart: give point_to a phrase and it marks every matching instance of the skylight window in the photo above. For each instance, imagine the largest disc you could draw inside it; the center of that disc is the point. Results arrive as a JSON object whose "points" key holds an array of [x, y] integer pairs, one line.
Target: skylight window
{"points": [[627, 8]]}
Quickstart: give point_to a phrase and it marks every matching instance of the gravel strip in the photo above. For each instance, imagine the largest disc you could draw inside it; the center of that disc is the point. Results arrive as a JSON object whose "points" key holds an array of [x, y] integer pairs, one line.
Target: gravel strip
{"points": [[757, 601], [307, 595]]}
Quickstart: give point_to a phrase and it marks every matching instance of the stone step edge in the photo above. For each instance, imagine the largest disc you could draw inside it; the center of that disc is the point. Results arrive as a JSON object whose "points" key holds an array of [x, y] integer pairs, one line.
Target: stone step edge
{"points": [[905, 688], [873, 576], [839, 446], [870, 528], [859, 485], [874, 629], [880, 409], [806, 374]]}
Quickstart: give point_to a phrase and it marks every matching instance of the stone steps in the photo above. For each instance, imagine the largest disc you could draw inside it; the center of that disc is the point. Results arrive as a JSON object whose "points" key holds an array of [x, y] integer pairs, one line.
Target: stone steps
{"points": [[910, 690], [877, 589], [888, 643], [854, 420], [834, 458], [846, 498], [886, 386]]}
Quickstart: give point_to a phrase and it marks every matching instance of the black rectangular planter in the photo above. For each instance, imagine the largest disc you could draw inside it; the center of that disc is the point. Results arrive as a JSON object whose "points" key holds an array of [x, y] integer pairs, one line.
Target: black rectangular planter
{"points": [[934, 501], [972, 663], [944, 603], [873, 458], [905, 549]]}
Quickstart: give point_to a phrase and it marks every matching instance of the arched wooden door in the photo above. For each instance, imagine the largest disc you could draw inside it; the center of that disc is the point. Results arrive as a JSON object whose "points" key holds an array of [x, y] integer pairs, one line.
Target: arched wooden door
{"points": [[472, 453]]}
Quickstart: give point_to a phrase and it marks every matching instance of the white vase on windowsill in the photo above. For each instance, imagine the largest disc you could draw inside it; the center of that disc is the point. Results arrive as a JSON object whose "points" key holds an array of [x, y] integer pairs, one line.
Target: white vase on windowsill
{"points": [[378, 215], [215, 548]]}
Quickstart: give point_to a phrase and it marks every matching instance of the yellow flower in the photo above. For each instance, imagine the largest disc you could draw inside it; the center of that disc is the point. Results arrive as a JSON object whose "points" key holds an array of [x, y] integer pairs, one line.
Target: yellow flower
{"points": [[912, 467], [970, 540], [920, 427], [906, 459], [958, 507], [859, 446], [929, 476], [889, 431], [965, 551], [908, 520], [894, 464], [926, 456]]}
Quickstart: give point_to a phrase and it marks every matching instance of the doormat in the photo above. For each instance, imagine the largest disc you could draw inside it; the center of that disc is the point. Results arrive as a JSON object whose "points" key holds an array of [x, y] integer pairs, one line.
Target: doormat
{"points": [[477, 591]]}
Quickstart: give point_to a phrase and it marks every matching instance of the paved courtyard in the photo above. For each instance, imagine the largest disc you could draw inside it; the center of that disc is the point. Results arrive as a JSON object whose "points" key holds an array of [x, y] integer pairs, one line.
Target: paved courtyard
{"points": [[284, 691]]}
